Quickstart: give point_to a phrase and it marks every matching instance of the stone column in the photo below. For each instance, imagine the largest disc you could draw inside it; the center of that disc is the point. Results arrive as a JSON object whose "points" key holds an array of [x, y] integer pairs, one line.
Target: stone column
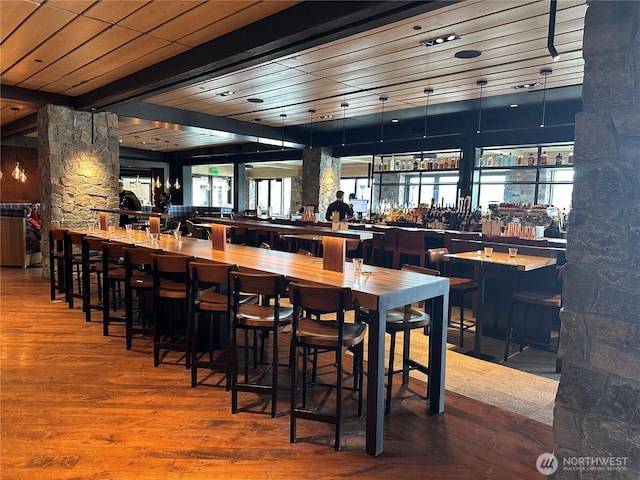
{"points": [[320, 177], [597, 412], [78, 154]]}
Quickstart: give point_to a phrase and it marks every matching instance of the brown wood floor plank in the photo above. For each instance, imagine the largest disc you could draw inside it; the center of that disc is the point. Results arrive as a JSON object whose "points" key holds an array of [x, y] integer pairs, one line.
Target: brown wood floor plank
{"points": [[77, 405]]}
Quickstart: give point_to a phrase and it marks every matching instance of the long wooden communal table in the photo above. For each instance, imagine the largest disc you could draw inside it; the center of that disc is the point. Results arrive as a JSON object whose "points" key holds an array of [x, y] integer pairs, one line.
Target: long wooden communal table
{"points": [[497, 260], [376, 288]]}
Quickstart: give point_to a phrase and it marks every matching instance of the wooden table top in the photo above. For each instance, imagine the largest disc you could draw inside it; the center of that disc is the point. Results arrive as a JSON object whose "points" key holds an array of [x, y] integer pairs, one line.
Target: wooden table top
{"points": [[520, 262]]}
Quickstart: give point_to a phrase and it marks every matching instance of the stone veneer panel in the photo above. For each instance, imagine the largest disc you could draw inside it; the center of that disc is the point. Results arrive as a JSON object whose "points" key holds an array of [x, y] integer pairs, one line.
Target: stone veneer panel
{"points": [[79, 167], [320, 177], [597, 412]]}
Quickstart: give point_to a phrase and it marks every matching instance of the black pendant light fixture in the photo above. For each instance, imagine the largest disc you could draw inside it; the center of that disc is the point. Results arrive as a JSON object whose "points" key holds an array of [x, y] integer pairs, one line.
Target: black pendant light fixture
{"points": [[258, 120], [545, 73], [282, 116], [427, 92], [481, 84], [552, 31], [382, 100], [344, 106], [311, 114]]}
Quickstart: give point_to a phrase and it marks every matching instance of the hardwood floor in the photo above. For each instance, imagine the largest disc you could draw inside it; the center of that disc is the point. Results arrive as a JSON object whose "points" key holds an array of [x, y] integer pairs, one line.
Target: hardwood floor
{"points": [[77, 405]]}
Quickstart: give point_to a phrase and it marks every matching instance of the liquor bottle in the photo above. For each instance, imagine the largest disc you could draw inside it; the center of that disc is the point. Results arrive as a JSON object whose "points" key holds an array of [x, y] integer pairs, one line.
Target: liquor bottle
{"points": [[403, 165], [511, 160], [453, 163], [415, 164], [480, 161], [559, 159], [441, 164], [397, 165], [570, 158], [446, 164], [385, 165], [500, 160], [544, 158], [423, 164], [490, 161], [520, 160], [531, 161]]}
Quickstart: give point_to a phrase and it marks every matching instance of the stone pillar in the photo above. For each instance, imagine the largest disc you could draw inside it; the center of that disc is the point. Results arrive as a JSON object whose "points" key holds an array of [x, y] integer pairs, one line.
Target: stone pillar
{"points": [[320, 177], [597, 412], [78, 154]]}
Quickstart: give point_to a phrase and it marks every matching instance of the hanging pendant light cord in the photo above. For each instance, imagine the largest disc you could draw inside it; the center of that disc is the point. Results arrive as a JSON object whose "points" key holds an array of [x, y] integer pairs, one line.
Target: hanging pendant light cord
{"points": [[382, 99], [544, 73], [344, 106], [428, 91], [481, 84]]}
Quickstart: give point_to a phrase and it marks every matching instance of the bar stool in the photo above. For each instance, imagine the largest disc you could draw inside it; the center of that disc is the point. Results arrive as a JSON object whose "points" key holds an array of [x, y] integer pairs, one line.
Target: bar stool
{"points": [[73, 262], [266, 318], [329, 336], [138, 284], [411, 243], [458, 286], [57, 260], [210, 305], [113, 276], [538, 336], [91, 267], [171, 330]]}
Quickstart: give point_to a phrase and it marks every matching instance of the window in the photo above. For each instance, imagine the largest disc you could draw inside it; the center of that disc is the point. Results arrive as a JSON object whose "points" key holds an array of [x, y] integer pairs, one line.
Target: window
{"points": [[274, 193]]}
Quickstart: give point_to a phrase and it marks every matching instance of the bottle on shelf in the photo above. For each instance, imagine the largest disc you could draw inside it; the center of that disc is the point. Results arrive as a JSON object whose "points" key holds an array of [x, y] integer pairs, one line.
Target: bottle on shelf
{"points": [[501, 160], [441, 164], [511, 160], [480, 161], [559, 159], [531, 161], [446, 164], [416, 165], [397, 166], [423, 164], [453, 163], [490, 161], [570, 158], [385, 165], [403, 165], [544, 158]]}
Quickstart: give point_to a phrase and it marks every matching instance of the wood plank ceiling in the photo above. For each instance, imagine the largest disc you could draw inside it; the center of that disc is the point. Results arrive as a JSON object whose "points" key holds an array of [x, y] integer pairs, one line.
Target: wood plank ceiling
{"points": [[76, 47]]}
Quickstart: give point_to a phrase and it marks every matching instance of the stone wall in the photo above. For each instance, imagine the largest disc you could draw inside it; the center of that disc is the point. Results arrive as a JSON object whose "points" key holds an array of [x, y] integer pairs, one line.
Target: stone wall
{"points": [[320, 178], [597, 413], [79, 167]]}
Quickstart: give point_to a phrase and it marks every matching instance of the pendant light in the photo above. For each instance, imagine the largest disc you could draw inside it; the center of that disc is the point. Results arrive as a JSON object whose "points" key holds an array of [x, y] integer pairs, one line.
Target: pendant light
{"points": [[158, 183], [137, 183], [481, 84], [382, 100], [545, 73], [552, 31], [428, 92], [282, 116], [258, 120], [16, 173], [176, 185], [311, 113], [344, 106]]}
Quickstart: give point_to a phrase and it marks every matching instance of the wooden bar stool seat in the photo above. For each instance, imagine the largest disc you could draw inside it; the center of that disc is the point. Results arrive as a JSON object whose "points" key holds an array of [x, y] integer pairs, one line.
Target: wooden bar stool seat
{"points": [[113, 277], [57, 263]]}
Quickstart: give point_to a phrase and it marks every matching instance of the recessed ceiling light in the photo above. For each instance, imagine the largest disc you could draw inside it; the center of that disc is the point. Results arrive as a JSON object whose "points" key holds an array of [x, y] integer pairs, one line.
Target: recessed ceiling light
{"points": [[394, 120], [468, 54], [226, 93], [417, 27], [324, 117], [438, 40], [513, 105], [527, 85], [255, 100]]}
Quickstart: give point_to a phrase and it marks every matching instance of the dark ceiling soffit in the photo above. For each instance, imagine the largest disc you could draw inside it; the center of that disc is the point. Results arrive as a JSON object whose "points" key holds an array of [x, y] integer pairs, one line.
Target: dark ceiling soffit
{"points": [[21, 126], [158, 116], [266, 156], [297, 28], [34, 96]]}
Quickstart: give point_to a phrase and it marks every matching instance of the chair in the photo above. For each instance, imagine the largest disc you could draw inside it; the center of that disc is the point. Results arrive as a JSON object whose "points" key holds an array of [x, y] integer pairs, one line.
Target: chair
{"points": [[73, 262], [458, 287], [197, 232], [113, 276], [265, 318], [333, 336], [139, 283], [385, 247], [539, 334], [91, 266], [170, 305], [57, 260], [209, 298], [411, 243]]}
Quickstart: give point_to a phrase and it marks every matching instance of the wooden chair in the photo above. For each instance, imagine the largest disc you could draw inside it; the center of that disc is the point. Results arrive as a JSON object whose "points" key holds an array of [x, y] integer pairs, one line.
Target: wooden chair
{"points": [[209, 303], [73, 264], [268, 318], [332, 336], [197, 232], [537, 335], [57, 260], [458, 287], [411, 244], [171, 329], [92, 266], [113, 276], [138, 264]]}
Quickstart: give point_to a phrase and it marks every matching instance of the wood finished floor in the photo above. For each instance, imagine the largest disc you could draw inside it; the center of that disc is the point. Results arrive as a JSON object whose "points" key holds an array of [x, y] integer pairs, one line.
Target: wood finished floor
{"points": [[77, 405]]}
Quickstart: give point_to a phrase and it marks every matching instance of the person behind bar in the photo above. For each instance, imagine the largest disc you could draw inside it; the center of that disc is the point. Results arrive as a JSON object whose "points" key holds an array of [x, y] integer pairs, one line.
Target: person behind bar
{"points": [[163, 203], [339, 206], [128, 201]]}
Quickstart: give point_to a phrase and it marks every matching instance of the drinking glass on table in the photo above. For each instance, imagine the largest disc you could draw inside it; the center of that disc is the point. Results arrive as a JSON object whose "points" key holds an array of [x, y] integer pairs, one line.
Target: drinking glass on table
{"points": [[112, 230], [154, 237], [513, 252], [488, 251], [357, 264], [128, 227]]}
